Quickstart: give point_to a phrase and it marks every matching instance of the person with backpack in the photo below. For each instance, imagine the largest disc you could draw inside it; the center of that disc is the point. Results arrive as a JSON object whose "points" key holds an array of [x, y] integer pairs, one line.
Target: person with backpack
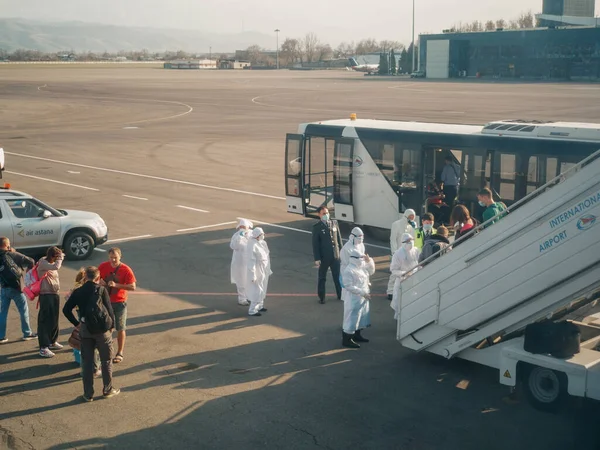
{"points": [[48, 268], [12, 267], [434, 244], [96, 325]]}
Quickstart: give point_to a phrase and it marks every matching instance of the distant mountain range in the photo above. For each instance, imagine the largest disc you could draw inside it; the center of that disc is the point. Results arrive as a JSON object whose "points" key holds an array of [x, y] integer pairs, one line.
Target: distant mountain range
{"points": [[80, 36]]}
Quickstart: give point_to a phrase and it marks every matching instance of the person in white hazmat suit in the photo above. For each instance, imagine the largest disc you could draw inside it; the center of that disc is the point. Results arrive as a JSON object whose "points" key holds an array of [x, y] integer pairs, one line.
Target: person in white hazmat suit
{"points": [[406, 224], [404, 264], [355, 241], [356, 295], [238, 244], [259, 271]]}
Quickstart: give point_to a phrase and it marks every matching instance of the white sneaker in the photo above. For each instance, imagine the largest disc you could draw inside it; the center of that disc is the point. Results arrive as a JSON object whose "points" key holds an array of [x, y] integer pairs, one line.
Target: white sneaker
{"points": [[3, 341], [46, 353], [56, 346]]}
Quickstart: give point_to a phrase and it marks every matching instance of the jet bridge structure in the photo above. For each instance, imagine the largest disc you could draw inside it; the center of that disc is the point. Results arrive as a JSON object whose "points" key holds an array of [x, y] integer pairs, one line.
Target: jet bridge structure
{"points": [[541, 261]]}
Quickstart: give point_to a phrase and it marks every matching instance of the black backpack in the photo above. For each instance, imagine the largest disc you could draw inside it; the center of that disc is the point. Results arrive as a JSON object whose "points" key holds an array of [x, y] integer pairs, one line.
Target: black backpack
{"points": [[96, 318], [10, 272]]}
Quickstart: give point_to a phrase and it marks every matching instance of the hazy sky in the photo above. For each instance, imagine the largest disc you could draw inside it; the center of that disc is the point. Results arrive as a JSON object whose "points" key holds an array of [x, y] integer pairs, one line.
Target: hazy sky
{"points": [[332, 20]]}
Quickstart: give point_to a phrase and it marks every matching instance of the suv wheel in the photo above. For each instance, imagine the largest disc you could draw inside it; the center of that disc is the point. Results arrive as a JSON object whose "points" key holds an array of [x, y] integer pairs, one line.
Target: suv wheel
{"points": [[78, 245]]}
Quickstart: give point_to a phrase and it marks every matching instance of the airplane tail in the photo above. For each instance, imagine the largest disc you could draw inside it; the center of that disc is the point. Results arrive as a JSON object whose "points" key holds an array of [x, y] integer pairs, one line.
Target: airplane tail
{"points": [[353, 62]]}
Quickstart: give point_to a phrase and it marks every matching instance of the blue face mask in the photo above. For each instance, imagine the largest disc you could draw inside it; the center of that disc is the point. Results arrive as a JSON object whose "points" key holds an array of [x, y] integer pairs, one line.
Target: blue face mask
{"points": [[325, 217], [481, 203], [412, 224]]}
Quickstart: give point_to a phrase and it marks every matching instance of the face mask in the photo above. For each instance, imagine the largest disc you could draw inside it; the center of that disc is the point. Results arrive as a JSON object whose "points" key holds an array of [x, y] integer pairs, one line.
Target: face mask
{"points": [[359, 240], [412, 224], [325, 217], [408, 245], [428, 227], [481, 203], [261, 237]]}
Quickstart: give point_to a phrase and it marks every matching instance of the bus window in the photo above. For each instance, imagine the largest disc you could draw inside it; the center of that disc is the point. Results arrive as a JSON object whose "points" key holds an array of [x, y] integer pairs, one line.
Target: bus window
{"points": [[342, 193], [564, 166], [533, 178], [505, 175], [386, 163], [410, 177], [551, 168]]}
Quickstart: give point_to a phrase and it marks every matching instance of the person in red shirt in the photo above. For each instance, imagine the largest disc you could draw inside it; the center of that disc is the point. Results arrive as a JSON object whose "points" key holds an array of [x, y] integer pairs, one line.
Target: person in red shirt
{"points": [[119, 279]]}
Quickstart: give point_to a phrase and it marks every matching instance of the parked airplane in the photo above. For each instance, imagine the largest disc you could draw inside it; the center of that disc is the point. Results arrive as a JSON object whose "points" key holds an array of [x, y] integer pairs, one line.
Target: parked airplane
{"points": [[368, 68]]}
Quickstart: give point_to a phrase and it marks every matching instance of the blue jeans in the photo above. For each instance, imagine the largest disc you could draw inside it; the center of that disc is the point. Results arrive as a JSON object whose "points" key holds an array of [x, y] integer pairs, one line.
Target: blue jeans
{"points": [[6, 295]]}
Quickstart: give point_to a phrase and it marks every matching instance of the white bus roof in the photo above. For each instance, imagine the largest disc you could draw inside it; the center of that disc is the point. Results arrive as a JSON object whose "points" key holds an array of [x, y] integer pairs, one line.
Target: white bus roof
{"points": [[520, 128]]}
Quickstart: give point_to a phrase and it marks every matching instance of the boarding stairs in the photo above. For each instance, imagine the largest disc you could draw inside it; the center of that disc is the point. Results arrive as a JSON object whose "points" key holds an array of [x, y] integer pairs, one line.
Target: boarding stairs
{"points": [[541, 260]]}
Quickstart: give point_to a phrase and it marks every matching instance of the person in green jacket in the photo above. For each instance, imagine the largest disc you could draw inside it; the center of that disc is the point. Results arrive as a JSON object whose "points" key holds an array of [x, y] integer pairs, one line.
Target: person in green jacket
{"points": [[492, 209]]}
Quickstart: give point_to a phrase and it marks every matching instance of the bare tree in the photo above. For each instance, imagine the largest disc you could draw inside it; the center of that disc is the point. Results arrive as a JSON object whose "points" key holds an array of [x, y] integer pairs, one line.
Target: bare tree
{"points": [[513, 24], [490, 25], [310, 44], [291, 51], [367, 46], [255, 54], [387, 46], [501, 23], [344, 50], [476, 26], [324, 52], [526, 20]]}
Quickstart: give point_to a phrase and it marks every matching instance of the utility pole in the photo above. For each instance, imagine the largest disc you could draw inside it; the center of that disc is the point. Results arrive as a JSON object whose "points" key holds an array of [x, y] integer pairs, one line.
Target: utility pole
{"points": [[210, 53], [413, 38], [277, 33]]}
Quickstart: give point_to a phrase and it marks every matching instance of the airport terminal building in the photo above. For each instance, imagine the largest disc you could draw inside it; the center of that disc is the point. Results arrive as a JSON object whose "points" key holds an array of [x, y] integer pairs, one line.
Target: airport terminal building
{"points": [[571, 53]]}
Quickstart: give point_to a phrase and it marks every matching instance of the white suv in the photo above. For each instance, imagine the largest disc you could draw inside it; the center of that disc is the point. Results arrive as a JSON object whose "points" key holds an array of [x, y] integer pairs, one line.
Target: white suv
{"points": [[32, 226]]}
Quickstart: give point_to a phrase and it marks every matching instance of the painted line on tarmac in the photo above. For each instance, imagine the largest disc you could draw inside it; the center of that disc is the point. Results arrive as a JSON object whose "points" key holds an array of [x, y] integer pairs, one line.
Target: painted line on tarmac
{"points": [[41, 87], [150, 177], [132, 238], [53, 181], [190, 109], [134, 197], [192, 209], [305, 232], [101, 250], [233, 294], [206, 226]]}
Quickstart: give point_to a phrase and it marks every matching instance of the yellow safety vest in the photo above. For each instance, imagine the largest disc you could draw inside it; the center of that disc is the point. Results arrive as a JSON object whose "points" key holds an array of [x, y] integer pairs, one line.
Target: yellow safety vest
{"points": [[420, 237]]}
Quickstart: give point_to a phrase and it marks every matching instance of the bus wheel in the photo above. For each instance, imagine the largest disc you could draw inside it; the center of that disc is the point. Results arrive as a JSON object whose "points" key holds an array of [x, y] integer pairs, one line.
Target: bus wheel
{"points": [[546, 389]]}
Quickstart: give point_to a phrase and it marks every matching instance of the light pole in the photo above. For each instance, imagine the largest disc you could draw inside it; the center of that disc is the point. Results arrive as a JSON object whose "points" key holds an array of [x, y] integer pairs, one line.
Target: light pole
{"points": [[413, 38], [210, 53], [277, 34]]}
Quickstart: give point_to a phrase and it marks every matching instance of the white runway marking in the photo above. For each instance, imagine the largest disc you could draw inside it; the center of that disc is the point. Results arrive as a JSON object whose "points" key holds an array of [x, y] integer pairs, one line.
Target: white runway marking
{"points": [[190, 109], [41, 87], [305, 232], [193, 209], [277, 226], [206, 226], [150, 177], [73, 172], [132, 238], [53, 181], [101, 250], [134, 197], [130, 128]]}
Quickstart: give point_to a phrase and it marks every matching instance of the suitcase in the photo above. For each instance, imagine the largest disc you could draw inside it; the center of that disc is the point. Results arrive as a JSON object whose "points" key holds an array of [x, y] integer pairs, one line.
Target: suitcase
{"points": [[559, 339]]}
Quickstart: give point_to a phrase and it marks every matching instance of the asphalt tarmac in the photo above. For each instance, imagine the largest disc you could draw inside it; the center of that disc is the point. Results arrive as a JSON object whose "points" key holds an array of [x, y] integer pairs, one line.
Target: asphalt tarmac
{"points": [[171, 159]]}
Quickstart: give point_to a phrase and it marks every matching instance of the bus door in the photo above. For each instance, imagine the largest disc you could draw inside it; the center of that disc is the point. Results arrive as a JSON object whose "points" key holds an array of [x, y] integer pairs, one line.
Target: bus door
{"points": [[318, 174], [343, 163], [294, 187]]}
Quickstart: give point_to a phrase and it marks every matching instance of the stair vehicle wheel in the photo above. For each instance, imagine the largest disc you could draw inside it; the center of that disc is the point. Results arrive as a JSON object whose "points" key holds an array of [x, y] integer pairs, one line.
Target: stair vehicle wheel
{"points": [[78, 245], [546, 388]]}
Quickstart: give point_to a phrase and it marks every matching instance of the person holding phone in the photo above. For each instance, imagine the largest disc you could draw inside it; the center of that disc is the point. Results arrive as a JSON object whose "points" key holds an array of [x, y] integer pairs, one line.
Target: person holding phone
{"points": [[119, 279]]}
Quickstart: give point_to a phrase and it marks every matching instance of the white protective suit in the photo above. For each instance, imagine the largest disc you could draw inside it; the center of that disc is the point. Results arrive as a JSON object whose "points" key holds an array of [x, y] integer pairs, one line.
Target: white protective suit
{"points": [[356, 287], [238, 244], [355, 241], [403, 265], [259, 270], [399, 227]]}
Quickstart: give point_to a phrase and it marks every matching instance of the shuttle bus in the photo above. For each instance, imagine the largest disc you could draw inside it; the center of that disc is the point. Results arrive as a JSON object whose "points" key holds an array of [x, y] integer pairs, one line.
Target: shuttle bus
{"points": [[368, 172]]}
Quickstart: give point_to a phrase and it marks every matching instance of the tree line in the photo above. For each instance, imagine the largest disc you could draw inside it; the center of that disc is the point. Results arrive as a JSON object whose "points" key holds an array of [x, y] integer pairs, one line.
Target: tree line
{"points": [[525, 20]]}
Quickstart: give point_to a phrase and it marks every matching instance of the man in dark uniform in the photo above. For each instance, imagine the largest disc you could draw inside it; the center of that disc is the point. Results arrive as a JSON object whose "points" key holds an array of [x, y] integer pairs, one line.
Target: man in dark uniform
{"points": [[327, 242]]}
